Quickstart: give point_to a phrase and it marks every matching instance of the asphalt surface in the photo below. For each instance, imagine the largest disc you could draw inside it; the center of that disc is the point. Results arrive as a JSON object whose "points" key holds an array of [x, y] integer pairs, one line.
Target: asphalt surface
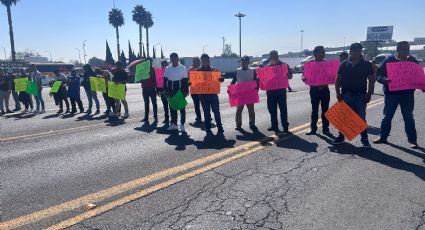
{"points": [[297, 182]]}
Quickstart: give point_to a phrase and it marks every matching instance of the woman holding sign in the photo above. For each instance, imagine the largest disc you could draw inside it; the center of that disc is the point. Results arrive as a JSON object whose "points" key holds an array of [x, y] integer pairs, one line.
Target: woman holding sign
{"points": [[245, 74], [61, 93], [162, 95], [91, 95], [319, 94], [25, 97], [395, 97]]}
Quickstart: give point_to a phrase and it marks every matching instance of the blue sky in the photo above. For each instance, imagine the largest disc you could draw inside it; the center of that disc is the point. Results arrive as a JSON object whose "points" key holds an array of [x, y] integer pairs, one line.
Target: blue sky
{"points": [[61, 26]]}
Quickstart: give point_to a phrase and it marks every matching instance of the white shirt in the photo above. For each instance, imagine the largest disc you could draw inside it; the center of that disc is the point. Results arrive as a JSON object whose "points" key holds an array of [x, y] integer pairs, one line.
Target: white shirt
{"points": [[175, 73], [61, 77]]}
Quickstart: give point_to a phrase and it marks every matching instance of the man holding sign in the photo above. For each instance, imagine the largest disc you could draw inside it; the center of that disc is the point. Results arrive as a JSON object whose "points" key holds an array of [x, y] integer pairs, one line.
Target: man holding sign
{"points": [[61, 94], [176, 80], [277, 96], [35, 77], [243, 75], [319, 94], [210, 102], [356, 81], [120, 76], [73, 82], [404, 97]]}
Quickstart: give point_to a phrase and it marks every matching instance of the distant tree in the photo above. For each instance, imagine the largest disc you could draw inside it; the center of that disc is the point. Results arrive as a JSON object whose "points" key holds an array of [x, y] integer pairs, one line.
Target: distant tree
{"points": [[148, 24], [131, 56], [227, 52], [123, 59], [94, 61], [8, 4], [109, 59], [116, 19], [139, 15]]}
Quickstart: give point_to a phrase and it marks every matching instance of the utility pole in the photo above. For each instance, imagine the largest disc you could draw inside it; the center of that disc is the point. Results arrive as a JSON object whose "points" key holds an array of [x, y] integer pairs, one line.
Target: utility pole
{"points": [[4, 50], [240, 16], [302, 40], [79, 54], [203, 49], [84, 51], [224, 43]]}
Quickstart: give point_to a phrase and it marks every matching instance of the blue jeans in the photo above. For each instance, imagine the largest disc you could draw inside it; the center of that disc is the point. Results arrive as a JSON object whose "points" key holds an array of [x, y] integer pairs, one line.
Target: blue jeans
{"points": [[210, 102], [39, 100], [90, 97], [357, 103], [407, 104]]}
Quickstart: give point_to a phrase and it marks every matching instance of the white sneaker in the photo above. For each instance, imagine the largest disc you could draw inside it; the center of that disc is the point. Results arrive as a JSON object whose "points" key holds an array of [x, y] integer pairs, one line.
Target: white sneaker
{"points": [[42, 111], [36, 111], [182, 128], [173, 127]]}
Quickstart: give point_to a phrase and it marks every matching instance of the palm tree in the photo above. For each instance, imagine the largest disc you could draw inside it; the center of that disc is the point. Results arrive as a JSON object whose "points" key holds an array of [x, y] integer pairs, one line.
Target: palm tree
{"points": [[139, 13], [148, 24], [116, 19], [8, 4]]}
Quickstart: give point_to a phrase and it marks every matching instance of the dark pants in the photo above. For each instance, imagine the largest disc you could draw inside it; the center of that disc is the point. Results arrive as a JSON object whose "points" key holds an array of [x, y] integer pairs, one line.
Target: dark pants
{"points": [[74, 102], [273, 101], [15, 96], [150, 93], [197, 105], [109, 101], [356, 101], [210, 102], [407, 104], [319, 97], [26, 99], [174, 116], [166, 108], [61, 96]]}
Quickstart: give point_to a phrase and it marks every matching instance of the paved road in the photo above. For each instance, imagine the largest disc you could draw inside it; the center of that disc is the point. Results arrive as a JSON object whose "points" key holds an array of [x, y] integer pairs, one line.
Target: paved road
{"points": [[143, 177]]}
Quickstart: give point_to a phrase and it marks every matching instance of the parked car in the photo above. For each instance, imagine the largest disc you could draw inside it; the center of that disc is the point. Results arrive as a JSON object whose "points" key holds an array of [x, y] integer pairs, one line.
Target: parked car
{"points": [[300, 68]]}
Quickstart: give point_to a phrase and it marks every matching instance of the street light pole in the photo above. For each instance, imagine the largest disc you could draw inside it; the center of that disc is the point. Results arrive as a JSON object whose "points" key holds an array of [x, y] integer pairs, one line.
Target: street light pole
{"points": [[240, 16], [4, 50], [50, 54], [224, 43], [203, 49], [84, 51], [302, 40], [79, 54]]}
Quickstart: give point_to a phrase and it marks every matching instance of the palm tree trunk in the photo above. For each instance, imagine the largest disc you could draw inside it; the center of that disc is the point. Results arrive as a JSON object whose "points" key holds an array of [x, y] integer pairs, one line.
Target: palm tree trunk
{"points": [[147, 41], [140, 39], [118, 43], [12, 41]]}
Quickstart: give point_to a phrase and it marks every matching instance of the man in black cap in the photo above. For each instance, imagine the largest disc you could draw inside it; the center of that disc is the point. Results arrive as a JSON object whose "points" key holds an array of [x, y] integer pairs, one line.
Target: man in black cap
{"points": [[356, 81]]}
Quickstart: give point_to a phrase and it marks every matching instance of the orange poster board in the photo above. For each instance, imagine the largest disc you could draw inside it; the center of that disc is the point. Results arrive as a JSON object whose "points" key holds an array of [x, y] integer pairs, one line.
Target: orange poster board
{"points": [[204, 82], [345, 120]]}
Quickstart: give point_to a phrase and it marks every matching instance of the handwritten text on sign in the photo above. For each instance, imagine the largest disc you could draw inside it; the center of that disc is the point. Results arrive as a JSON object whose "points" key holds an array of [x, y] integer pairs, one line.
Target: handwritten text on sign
{"points": [[243, 93], [405, 75], [204, 82], [321, 72], [273, 77], [345, 120], [159, 75]]}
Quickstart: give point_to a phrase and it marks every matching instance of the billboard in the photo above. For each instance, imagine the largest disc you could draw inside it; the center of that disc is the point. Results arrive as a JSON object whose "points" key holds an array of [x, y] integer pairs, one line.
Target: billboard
{"points": [[380, 33]]}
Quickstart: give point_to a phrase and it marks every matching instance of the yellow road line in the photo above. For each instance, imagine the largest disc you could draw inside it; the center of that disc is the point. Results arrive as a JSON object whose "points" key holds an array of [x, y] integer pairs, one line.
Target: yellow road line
{"points": [[106, 193], [127, 199]]}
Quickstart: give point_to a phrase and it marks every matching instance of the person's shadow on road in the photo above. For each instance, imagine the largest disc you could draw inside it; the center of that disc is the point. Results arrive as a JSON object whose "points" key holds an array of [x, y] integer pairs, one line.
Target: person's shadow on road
{"points": [[380, 157], [55, 115], [212, 141], [147, 127], [179, 140], [295, 142], [247, 136]]}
